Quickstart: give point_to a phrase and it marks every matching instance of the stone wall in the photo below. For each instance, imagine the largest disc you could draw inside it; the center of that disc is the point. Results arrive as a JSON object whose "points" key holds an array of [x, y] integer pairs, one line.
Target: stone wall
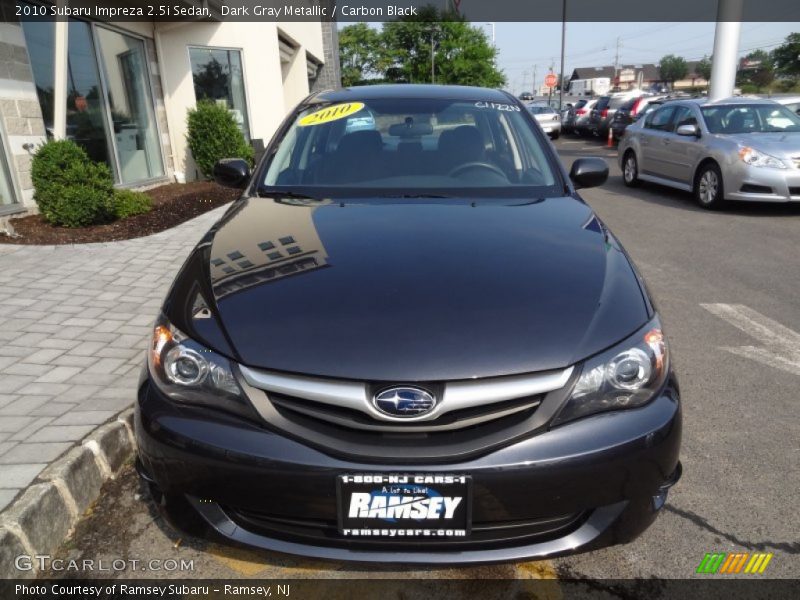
{"points": [[21, 122], [329, 75]]}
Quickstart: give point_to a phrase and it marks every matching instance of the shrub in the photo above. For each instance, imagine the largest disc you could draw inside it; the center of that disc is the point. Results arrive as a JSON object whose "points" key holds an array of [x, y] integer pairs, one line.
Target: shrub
{"points": [[70, 189], [213, 134], [127, 203]]}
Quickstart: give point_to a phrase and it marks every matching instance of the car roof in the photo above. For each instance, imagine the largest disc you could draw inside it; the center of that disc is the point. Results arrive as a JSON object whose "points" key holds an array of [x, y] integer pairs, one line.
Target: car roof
{"points": [[411, 90], [733, 100]]}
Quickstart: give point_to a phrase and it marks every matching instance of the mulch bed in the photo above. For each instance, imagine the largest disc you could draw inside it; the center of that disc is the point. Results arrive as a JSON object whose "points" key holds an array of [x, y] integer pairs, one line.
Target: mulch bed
{"points": [[173, 204]]}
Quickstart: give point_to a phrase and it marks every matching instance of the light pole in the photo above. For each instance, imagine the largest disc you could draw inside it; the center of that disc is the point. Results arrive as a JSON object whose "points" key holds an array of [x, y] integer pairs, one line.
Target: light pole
{"points": [[434, 30], [726, 46]]}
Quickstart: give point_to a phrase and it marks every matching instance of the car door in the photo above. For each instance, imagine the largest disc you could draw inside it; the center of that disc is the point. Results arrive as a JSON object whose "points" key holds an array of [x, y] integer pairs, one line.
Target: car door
{"points": [[680, 151], [651, 141]]}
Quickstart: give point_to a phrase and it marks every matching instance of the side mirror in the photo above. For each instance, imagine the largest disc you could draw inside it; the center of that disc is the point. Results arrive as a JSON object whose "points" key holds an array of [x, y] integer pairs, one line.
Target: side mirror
{"points": [[688, 130], [232, 172], [588, 172]]}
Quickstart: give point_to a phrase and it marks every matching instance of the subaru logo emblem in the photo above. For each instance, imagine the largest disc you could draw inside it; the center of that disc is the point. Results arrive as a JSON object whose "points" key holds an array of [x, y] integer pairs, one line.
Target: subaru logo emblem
{"points": [[404, 402]]}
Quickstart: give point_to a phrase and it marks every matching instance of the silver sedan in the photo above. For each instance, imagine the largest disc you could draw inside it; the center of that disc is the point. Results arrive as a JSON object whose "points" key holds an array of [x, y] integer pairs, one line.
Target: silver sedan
{"points": [[548, 118], [732, 149]]}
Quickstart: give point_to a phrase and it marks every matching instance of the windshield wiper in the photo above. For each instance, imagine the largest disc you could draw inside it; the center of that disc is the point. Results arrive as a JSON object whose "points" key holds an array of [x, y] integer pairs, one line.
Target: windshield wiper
{"points": [[265, 192]]}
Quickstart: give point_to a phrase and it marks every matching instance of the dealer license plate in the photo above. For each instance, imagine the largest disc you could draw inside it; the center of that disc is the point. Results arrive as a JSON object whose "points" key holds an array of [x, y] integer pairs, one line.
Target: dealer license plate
{"points": [[390, 505]]}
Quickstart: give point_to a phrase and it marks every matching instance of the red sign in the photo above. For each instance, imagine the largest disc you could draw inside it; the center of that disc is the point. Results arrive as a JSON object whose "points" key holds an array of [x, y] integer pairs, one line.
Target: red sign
{"points": [[550, 80]]}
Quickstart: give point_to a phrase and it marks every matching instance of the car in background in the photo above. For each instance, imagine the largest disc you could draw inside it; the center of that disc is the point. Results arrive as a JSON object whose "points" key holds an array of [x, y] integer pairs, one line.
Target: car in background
{"points": [[526, 96], [790, 102], [603, 113], [569, 114], [548, 118], [628, 113], [580, 117], [731, 149]]}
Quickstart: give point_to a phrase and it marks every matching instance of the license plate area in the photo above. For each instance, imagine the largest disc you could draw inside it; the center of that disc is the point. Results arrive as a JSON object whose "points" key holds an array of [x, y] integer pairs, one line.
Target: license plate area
{"points": [[401, 506]]}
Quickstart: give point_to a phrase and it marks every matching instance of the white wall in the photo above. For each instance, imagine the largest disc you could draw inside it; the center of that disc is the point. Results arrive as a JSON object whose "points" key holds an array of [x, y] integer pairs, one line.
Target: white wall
{"points": [[268, 100]]}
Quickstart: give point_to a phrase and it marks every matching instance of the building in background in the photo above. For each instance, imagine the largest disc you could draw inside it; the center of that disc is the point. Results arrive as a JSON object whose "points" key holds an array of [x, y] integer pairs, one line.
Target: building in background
{"points": [[127, 87], [628, 77]]}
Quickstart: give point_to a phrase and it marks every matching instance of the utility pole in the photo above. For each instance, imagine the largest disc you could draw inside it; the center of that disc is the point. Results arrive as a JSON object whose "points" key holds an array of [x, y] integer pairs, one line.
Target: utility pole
{"points": [[524, 81], [616, 62], [534, 80], [563, 42]]}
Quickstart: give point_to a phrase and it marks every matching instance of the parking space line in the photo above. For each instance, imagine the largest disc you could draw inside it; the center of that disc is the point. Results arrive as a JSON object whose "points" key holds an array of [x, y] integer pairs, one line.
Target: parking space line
{"points": [[780, 347]]}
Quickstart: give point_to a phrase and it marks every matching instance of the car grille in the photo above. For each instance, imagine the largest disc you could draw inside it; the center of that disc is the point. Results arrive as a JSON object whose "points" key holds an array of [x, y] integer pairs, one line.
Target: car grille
{"points": [[471, 416], [483, 535]]}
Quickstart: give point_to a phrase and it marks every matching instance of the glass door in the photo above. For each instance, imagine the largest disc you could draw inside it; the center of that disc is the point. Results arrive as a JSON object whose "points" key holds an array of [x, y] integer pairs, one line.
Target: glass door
{"points": [[130, 103]]}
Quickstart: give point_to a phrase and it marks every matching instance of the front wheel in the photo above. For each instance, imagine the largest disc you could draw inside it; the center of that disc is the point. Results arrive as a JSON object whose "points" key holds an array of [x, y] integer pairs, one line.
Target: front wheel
{"points": [[630, 169], [555, 135], [708, 189]]}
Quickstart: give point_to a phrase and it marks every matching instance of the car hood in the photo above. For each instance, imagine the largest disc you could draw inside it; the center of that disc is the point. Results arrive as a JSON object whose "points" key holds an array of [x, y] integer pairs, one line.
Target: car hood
{"points": [[419, 290], [775, 144]]}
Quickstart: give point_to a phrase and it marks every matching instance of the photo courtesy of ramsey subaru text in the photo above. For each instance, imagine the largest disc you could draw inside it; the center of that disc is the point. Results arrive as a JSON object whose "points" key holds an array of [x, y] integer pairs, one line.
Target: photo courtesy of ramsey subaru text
{"points": [[411, 341]]}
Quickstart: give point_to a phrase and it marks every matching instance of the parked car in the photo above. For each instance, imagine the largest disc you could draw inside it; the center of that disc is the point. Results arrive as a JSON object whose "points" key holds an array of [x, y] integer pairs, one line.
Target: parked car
{"points": [[396, 353], [580, 119], [526, 96], [569, 114], [733, 149], [548, 118], [628, 113], [603, 112]]}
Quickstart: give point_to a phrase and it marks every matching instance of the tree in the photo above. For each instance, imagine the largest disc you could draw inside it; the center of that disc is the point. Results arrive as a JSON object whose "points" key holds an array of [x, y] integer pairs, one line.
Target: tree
{"points": [[762, 71], [703, 68], [672, 68], [401, 52], [361, 54], [787, 56]]}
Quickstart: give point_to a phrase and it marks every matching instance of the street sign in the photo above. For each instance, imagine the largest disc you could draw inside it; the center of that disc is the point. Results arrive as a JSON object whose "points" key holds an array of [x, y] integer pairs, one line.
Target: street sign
{"points": [[550, 80]]}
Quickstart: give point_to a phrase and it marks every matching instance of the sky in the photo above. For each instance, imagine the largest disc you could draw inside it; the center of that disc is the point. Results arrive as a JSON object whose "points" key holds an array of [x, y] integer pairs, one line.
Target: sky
{"points": [[523, 46]]}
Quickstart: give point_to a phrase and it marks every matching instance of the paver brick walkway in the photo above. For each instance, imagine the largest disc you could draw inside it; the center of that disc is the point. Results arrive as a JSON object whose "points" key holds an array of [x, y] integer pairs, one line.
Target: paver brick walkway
{"points": [[74, 322]]}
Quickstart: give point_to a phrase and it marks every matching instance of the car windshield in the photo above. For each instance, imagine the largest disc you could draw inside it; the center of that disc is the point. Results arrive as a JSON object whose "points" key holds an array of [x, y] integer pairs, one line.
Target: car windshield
{"points": [[750, 118], [538, 110], [407, 147]]}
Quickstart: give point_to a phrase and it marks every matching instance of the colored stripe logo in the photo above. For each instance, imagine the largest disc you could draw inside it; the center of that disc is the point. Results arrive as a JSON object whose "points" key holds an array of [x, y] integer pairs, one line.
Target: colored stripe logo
{"points": [[737, 562]]}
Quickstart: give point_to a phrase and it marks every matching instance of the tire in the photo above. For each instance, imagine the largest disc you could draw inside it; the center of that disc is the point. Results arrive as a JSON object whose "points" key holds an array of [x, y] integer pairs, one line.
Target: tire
{"points": [[555, 136], [630, 169], [709, 191]]}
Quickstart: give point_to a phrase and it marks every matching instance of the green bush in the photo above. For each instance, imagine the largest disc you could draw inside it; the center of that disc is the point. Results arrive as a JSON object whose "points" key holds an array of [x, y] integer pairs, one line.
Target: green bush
{"points": [[70, 189], [127, 203], [213, 134]]}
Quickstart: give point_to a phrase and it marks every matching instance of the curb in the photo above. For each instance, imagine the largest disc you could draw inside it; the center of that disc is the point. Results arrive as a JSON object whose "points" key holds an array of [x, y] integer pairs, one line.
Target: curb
{"points": [[46, 513]]}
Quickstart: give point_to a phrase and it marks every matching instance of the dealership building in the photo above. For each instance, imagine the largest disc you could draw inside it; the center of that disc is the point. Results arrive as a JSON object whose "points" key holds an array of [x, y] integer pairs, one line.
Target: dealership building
{"points": [[121, 90]]}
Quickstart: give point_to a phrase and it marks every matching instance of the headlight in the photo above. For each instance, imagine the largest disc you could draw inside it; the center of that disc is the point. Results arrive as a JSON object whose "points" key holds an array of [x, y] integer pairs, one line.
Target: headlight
{"points": [[186, 371], [627, 376], [754, 158]]}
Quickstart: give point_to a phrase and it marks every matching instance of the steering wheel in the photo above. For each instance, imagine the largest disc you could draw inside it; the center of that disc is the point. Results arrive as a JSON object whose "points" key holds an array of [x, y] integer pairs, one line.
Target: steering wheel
{"points": [[477, 165]]}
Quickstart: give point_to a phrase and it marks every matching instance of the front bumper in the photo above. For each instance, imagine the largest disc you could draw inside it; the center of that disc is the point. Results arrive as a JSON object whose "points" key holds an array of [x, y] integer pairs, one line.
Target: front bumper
{"points": [[591, 483], [761, 184]]}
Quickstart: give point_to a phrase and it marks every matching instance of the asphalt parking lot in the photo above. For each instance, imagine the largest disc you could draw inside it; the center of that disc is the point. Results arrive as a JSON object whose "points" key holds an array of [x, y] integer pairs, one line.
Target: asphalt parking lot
{"points": [[726, 284]]}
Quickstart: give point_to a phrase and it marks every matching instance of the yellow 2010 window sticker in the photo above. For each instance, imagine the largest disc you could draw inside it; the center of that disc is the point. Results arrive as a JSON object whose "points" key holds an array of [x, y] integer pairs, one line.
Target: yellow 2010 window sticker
{"points": [[331, 113]]}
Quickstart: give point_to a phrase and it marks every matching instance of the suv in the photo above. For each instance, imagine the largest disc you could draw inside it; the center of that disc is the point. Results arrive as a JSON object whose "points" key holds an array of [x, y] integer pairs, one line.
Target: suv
{"points": [[603, 112], [628, 113]]}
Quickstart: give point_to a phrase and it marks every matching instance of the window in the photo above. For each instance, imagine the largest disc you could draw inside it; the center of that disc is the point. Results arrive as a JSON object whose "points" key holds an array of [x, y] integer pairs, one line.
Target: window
{"points": [[235, 255], [660, 119], [750, 118], [218, 76], [286, 240], [129, 99], [266, 246], [109, 102], [413, 144], [6, 190], [683, 116]]}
